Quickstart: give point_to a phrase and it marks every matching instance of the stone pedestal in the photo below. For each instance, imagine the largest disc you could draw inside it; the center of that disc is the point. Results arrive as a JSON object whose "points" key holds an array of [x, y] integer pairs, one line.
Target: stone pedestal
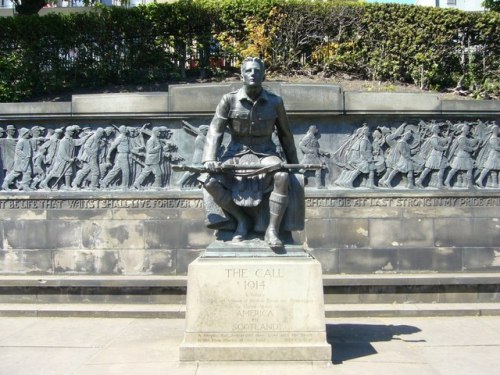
{"points": [[255, 308]]}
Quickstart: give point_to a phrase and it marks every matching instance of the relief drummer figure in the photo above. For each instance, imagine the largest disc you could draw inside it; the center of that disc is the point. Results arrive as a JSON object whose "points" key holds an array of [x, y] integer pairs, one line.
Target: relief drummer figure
{"points": [[249, 115]]}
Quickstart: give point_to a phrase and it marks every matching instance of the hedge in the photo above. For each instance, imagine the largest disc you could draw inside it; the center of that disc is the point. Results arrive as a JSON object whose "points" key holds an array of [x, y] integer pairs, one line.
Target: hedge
{"points": [[429, 47]]}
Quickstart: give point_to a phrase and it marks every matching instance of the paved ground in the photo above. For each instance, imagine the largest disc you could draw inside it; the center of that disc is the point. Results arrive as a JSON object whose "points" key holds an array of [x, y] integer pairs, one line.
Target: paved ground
{"points": [[32, 346]]}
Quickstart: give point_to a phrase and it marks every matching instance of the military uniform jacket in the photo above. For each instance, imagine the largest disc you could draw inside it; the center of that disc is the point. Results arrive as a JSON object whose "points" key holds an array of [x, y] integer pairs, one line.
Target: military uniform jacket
{"points": [[251, 125], [153, 151], [64, 157], [22, 158]]}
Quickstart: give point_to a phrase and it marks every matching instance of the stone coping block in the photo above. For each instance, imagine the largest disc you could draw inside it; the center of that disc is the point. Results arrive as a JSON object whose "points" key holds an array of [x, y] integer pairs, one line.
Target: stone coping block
{"points": [[143, 102], [197, 97], [312, 98], [297, 97], [35, 108], [470, 106], [389, 102]]}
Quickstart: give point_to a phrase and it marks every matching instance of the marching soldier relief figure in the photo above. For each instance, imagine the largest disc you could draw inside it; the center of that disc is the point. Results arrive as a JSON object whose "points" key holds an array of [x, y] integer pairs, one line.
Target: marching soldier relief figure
{"points": [[154, 150], [122, 162], [37, 142], [89, 160], [250, 115], [309, 145], [2, 132], [64, 159], [403, 162], [22, 162], [356, 155], [488, 160], [8, 149], [190, 179], [433, 150], [461, 156]]}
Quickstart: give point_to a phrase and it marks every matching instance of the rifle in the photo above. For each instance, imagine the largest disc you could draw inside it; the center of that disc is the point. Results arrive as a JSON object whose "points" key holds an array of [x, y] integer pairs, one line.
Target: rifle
{"points": [[68, 166], [246, 169]]}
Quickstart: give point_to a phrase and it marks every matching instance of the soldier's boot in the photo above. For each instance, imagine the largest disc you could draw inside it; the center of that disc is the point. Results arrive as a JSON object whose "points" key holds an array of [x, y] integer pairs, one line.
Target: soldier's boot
{"points": [[35, 182], [223, 198], [25, 183], [138, 182], [7, 182], [480, 179], [352, 177], [277, 207], [67, 182], [470, 180], [157, 183], [440, 178], [388, 180], [44, 184], [319, 179], [77, 181], [383, 181], [94, 181], [447, 182], [411, 184], [494, 176], [371, 180], [420, 180]]}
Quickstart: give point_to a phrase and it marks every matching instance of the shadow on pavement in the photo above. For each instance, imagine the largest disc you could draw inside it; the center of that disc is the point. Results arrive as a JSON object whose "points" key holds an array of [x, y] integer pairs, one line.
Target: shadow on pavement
{"points": [[351, 341]]}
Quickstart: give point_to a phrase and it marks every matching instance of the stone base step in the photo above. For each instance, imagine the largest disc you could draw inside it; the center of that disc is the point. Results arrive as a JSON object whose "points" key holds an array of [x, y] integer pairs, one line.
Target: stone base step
{"points": [[168, 281], [177, 311], [102, 310], [412, 310]]}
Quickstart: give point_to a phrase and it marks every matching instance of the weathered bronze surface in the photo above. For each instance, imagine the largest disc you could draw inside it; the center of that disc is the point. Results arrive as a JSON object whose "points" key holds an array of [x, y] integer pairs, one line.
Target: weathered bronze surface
{"points": [[250, 115]]}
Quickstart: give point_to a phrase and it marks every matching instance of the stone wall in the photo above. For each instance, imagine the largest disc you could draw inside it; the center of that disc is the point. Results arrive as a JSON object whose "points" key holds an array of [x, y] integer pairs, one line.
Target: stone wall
{"points": [[159, 231]]}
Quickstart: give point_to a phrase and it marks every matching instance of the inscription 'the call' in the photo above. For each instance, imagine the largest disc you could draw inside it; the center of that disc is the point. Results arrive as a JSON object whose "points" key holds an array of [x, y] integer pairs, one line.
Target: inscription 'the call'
{"points": [[260, 273]]}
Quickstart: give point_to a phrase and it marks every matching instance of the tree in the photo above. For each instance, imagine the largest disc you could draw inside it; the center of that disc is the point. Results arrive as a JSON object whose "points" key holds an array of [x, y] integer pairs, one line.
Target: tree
{"points": [[493, 5], [27, 7]]}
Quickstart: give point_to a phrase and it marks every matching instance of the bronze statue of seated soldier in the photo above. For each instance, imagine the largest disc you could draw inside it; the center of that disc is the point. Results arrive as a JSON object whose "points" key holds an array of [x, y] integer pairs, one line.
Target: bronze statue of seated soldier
{"points": [[265, 197]]}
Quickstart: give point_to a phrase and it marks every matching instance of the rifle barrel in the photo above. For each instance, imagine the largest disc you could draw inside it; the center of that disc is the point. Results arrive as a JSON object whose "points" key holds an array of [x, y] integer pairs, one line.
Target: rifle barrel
{"points": [[246, 167]]}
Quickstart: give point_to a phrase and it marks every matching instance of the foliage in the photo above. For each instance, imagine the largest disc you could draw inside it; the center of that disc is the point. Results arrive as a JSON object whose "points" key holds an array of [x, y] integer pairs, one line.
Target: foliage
{"points": [[429, 47], [493, 5], [28, 7]]}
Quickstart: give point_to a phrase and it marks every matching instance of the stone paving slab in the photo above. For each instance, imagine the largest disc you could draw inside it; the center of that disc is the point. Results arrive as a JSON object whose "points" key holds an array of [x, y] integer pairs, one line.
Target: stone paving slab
{"points": [[404, 345]]}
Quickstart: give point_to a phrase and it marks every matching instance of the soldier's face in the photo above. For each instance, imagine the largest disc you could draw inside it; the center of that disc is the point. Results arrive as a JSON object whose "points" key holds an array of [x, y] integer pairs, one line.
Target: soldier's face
{"points": [[253, 75]]}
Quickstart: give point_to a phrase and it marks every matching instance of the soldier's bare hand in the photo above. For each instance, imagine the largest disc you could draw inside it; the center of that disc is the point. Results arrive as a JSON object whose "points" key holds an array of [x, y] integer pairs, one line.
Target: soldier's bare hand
{"points": [[211, 165]]}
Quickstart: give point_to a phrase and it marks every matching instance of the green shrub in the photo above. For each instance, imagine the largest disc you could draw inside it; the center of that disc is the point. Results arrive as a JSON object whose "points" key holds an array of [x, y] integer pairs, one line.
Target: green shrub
{"points": [[429, 47]]}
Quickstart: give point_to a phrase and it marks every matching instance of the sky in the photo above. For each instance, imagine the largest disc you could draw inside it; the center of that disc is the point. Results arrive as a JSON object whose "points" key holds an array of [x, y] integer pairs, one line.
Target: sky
{"points": [[392, 1]]}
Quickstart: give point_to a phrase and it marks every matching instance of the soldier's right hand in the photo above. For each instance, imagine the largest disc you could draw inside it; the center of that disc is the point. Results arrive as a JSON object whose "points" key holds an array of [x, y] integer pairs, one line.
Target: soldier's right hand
{"points": [[211, 165]]}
